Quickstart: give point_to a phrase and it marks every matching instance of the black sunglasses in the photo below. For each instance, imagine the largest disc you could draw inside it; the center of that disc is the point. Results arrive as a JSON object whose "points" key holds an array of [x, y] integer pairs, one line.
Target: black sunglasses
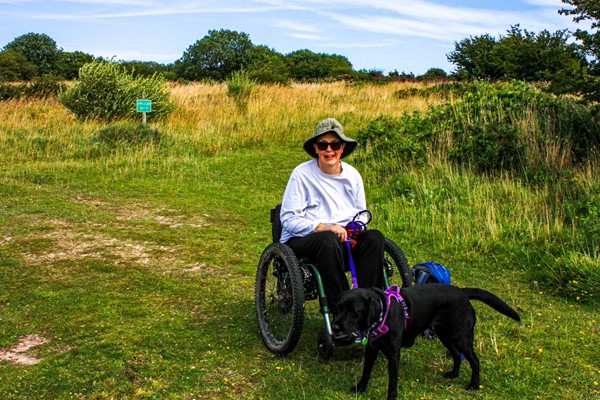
{"points": [[334, 145]]}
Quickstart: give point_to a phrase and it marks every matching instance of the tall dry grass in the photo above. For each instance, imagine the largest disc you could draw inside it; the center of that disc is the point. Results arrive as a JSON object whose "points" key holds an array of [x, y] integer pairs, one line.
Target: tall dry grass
{"points": [[207, 119], [205, 116]]}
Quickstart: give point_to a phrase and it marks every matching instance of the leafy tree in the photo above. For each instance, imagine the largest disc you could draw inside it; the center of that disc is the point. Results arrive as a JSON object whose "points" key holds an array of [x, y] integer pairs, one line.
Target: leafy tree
{"points": [[337, 65], [588, 10], [532, 57], [369, 75], [39, 49], [215, 56], [267, 66], [522, 55], [144, 68], [401, 76], [433, 75], [71, 62], [474, 58], [305, 64], [14, 66]]}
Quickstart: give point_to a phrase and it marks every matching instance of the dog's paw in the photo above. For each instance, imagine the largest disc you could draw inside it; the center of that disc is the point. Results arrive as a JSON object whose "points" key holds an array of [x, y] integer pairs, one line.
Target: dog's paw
{"points": [[472, 386], [358, 389], [450, 375]]}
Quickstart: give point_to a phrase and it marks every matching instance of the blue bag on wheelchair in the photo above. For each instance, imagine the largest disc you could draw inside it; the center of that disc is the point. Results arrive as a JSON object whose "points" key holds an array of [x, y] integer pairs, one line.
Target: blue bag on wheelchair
{"points": [[430, 272]]}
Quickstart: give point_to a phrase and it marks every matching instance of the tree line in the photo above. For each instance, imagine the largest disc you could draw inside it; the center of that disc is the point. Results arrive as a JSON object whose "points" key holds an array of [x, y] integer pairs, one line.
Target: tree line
{"points": [[568, 61], [214, 57]]}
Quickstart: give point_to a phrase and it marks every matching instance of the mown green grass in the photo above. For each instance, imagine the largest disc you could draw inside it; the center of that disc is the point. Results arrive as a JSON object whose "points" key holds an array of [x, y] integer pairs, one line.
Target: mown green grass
{"points": [[175, 319], [138, 266]]}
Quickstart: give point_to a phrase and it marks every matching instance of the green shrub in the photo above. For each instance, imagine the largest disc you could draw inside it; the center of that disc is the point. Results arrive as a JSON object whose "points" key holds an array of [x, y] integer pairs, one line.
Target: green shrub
{"points": [[127, 134], [493, 127], [492, 147], [106, 91], [239, 87], [405, 139]]}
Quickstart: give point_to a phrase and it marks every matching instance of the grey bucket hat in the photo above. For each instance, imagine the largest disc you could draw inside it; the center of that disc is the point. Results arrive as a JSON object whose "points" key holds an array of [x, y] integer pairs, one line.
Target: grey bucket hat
{"points": [[330, 125]]}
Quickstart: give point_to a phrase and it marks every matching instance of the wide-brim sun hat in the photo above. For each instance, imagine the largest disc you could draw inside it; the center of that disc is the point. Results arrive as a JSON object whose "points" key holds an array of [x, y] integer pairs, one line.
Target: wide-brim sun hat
{"points": [[330, 125]]}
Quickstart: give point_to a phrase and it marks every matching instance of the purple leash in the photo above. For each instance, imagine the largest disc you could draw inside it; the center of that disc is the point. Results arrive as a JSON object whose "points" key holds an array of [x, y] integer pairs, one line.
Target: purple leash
{"points": [[351, 262], [354, 227]]}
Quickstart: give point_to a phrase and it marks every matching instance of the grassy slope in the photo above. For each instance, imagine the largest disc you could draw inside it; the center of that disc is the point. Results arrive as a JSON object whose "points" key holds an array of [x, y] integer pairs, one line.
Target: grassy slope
{"points": [[139, 269]]}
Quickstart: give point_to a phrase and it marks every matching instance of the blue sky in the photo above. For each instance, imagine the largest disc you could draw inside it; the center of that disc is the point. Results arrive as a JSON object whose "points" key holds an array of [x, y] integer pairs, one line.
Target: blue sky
{"points": [[403, 35]]}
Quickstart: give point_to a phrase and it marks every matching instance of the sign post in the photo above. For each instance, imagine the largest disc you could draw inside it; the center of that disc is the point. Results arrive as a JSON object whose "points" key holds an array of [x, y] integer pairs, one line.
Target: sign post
{"points": [[144, 106]]}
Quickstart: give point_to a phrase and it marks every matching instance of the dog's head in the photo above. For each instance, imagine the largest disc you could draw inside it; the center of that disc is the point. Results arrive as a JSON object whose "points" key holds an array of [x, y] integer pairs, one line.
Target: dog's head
{"points": [[357, 309]]}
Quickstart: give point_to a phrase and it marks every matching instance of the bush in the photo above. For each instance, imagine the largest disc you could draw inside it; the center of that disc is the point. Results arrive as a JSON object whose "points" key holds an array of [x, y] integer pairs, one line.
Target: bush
{"points": [[405, 139], [127, 134], [239, 88], [488, 147], [493, 127], [108, 92]]}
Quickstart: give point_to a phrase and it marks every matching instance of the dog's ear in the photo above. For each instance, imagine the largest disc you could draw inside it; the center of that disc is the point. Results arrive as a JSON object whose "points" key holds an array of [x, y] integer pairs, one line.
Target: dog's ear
{"points": [[374, 305]]}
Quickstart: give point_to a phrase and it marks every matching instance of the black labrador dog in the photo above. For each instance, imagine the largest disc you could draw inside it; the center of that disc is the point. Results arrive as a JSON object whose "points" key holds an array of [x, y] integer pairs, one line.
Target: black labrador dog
{"points": [[396, 323]]}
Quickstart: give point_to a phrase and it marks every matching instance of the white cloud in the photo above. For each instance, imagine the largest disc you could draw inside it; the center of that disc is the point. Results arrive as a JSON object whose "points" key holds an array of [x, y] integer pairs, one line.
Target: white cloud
{"points": [[307, 36], [432, 16], [558, 4], [294, 25], [136, 8]]}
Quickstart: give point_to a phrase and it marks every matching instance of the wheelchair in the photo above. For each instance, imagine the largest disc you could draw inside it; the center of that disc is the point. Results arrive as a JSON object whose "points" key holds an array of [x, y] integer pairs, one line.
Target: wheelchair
{"points": [[284, 283]]}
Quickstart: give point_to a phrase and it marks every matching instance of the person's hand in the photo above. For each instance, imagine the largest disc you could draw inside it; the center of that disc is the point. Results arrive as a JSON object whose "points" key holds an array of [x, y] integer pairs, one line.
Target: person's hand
{"points": [[339, 230]]}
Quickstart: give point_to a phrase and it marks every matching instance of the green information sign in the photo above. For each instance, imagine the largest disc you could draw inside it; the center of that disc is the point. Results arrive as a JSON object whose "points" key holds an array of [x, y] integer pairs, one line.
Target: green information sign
{"points": [[144, 105]]}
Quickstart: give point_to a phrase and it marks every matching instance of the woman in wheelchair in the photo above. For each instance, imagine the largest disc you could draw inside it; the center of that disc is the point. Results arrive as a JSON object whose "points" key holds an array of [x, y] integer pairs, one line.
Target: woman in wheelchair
{"points": [[321, 197]]}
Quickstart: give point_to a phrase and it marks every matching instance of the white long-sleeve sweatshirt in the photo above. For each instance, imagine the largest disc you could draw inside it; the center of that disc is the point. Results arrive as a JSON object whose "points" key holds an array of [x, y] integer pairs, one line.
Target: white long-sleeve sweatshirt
{"points": [[312, 197]]}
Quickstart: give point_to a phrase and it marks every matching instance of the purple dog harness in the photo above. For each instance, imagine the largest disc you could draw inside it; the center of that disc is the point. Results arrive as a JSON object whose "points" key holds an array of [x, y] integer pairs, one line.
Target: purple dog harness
{"points": [[379, 328]]}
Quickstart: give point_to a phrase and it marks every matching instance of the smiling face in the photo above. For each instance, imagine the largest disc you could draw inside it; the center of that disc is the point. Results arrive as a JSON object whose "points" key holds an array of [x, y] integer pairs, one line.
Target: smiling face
{"points": [[329, 159]]}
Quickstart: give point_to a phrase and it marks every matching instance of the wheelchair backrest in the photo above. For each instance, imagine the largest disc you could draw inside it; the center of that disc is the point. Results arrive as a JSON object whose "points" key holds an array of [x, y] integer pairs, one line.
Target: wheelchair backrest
{"points": [[276, 223]]}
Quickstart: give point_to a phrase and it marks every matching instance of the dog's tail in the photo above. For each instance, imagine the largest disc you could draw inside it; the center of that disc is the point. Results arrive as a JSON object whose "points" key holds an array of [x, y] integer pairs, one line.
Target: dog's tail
{"points": [[493, 301]]}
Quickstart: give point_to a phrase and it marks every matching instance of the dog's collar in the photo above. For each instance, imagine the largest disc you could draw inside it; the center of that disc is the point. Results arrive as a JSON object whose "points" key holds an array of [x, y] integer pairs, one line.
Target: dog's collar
{"points": [[380, 328]]}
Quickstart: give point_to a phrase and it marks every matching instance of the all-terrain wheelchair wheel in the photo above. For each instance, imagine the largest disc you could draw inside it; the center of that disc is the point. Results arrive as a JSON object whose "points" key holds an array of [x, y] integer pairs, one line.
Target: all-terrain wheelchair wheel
{"points": [[396, 268], [279, 298]]}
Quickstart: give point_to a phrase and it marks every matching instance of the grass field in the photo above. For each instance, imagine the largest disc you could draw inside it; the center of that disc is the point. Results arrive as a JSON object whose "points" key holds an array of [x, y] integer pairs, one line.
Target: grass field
{"points": [[132, 267]]}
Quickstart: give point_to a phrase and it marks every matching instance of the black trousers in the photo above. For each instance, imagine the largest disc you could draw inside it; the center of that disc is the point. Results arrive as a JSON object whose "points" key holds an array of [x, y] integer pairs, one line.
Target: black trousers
{"points": [[330, 255]]}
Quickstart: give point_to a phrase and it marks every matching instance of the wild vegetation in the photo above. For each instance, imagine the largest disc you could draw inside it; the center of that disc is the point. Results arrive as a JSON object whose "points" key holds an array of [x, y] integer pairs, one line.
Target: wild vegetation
{"points": [[106, 91], [128, 253]]}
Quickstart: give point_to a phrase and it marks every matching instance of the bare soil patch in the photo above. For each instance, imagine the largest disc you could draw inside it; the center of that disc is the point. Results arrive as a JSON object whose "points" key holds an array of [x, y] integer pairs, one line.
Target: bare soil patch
{"points": [[18, 353]]}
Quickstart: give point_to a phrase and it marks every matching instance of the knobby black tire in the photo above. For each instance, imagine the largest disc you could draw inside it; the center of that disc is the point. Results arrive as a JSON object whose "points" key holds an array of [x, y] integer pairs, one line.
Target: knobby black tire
{"points": [[279, 298], [402, 275]]}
